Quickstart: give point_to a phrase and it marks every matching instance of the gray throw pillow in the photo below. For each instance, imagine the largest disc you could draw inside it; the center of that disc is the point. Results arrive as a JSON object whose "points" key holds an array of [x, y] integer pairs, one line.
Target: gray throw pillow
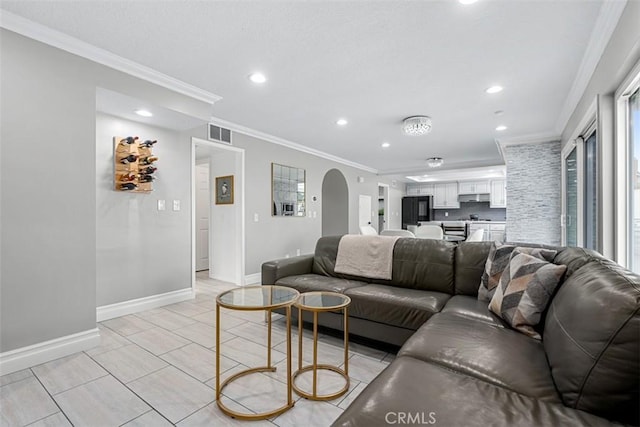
{"points": [[524, 291], [497, 262]]}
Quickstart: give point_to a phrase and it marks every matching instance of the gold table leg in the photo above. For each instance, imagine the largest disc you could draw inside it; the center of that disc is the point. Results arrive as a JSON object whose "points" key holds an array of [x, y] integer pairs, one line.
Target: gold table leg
{"points": [[220, 386], [315, 366]]}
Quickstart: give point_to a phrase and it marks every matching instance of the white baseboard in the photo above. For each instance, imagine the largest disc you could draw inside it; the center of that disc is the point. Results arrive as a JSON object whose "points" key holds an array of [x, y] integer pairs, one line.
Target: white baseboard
{"points": [[107, 312], [36, 354], [253, 279]]}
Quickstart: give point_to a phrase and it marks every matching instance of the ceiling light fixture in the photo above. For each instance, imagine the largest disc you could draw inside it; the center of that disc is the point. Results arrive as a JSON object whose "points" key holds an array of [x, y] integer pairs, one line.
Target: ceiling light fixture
{"points": [[501, 128], [385, 145], [341, 122], [144, 113], [435, 162], [258, 78], [416, 125], [494, 89]]}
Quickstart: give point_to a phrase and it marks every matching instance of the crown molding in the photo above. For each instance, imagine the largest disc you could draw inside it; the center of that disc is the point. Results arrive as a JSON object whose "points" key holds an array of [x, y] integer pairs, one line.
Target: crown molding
{"points": [[289, 144], [44, 34], [608, 17]]}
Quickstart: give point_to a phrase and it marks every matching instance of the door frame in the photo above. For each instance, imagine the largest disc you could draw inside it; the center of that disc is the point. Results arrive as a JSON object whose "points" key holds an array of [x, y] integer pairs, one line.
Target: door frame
{"points": [[239, 196]]}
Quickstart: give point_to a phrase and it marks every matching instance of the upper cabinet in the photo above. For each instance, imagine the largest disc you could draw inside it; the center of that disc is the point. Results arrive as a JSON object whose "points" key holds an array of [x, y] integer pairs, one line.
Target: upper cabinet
{"points": [[420, 190], [445, 195], [473, 187], [498, 193]]}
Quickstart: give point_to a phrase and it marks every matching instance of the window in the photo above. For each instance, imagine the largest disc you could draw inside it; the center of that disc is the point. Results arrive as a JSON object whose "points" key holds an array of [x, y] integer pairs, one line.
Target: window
{"points": [[634, 179], [591, 192]]}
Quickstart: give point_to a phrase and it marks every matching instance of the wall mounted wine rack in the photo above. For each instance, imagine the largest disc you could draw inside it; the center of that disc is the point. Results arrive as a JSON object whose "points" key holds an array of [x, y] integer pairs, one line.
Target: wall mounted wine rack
{"points": [[134, 164]]}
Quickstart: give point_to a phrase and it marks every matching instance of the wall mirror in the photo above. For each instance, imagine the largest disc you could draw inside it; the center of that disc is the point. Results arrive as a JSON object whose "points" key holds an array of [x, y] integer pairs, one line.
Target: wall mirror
{"points": [[287, 190]]}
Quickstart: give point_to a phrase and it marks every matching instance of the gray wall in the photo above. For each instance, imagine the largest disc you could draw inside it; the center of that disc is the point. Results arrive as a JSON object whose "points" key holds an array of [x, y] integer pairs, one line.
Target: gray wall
{"points": [[277, 237], [533, 193], [48, 193], [140, 251]]}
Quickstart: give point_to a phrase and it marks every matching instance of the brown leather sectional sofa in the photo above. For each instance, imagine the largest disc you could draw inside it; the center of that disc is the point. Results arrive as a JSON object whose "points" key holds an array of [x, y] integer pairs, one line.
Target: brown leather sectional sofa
{"points": [[459, 364]]}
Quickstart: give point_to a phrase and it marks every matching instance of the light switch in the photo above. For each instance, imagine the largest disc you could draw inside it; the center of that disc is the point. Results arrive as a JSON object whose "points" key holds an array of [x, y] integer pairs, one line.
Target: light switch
{"points": [[176, 205], [161, 205], [255, 217]]}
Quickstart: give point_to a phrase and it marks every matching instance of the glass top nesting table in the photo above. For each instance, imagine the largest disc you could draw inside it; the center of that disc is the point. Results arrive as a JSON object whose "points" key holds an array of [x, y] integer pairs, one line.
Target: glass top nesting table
{"points": [[317, 302], [256, 298]]}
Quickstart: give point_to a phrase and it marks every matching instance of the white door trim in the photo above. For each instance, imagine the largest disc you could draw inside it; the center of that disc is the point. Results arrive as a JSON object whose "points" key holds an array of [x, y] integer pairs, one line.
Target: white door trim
{"points": [[240, 235]]}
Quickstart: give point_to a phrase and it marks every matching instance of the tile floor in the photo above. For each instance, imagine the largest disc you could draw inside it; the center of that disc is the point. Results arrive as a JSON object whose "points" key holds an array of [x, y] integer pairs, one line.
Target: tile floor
{"points": [[157, 368]]}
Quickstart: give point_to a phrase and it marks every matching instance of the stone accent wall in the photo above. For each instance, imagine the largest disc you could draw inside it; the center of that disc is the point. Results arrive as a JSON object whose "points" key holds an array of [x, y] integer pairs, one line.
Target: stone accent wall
{"points": [[534, 193]]}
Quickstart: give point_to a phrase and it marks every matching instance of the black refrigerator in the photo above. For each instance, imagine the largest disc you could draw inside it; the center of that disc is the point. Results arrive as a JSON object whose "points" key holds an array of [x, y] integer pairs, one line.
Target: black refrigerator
{"points": [[416, 209]]}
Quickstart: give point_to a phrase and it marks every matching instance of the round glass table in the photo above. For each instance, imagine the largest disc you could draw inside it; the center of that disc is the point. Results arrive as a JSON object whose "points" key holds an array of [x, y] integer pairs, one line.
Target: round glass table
{"points": [[318, 302], [256, 298]]}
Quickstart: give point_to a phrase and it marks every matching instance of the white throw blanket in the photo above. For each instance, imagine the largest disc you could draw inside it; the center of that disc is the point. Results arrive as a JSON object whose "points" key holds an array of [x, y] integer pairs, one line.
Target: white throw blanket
{"points": [[366, 256]]}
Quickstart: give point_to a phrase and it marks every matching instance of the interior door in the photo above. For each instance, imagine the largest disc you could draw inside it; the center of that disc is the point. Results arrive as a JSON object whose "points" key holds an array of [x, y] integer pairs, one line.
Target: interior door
{"points": [[202, 217], [364, 210]]}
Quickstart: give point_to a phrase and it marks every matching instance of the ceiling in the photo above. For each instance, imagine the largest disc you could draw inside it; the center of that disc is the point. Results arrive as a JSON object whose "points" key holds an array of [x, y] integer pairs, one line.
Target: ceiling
{"points": [[373, 63]]}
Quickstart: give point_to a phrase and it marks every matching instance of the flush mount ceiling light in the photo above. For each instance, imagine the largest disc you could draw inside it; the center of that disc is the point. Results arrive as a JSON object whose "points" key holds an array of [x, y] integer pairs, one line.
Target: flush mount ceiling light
{"points": [[143, 113], [416, 125], [341, 122], [257, 78], [494, 89], [435, 162]]}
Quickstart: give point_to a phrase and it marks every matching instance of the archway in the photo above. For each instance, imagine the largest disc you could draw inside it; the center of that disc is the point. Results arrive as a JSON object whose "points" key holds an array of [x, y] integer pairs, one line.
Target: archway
{"points": [[335, 204]]}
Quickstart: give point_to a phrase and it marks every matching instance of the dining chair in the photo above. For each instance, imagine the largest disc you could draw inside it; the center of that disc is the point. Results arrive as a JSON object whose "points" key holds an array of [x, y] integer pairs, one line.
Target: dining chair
{"points": [[367, 230], [476, 236], [402, 233], [429, 232]]}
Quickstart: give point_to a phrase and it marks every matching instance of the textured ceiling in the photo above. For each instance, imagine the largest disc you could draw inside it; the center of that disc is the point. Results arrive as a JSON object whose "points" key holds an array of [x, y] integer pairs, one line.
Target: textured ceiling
{"points": [[373, 62]]}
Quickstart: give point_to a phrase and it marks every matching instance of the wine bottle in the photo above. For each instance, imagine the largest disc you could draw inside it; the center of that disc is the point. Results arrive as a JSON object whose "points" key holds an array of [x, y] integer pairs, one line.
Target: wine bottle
{"points": [[148, 160], [128, 140], [148, 143], [146, 178], [128, 186], [148, 170], [129, 159], [130, 176]]}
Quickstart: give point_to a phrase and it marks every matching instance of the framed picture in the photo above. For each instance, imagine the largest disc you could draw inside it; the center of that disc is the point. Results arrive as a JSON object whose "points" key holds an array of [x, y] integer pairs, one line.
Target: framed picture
{"points": [[224, 190]]}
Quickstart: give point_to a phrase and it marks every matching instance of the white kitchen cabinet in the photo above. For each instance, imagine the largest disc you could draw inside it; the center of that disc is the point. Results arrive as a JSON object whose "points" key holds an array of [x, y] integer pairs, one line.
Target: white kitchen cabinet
{"points": [[413, 190], [498, 193], [473, 187], [445, 196], [426, 190], [420, 190]]}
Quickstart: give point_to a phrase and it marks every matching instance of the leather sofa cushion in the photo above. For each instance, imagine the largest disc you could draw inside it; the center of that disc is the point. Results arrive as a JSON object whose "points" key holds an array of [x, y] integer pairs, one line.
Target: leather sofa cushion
{"points": [[315, 282], [405, 308], [417, 263], [413, 387], [470, 307], [471, 258], [591, 340], [425, 264], [497, 355]]}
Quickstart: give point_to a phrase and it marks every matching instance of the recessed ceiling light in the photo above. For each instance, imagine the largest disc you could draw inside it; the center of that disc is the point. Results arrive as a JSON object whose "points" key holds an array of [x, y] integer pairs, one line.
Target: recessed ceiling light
{"points": [[467, 1], [258, 78], [494, 89], [341, 122], [501, 128], [144, 113], [386, 145]]}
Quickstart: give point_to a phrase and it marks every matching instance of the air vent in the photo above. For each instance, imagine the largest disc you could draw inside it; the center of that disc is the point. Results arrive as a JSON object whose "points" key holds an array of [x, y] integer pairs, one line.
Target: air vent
{"points": [[219, 134]]}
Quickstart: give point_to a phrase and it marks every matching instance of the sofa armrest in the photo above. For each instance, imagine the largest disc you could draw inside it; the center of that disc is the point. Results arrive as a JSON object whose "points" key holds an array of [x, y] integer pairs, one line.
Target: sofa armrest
{"points": [[272, 271]]}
